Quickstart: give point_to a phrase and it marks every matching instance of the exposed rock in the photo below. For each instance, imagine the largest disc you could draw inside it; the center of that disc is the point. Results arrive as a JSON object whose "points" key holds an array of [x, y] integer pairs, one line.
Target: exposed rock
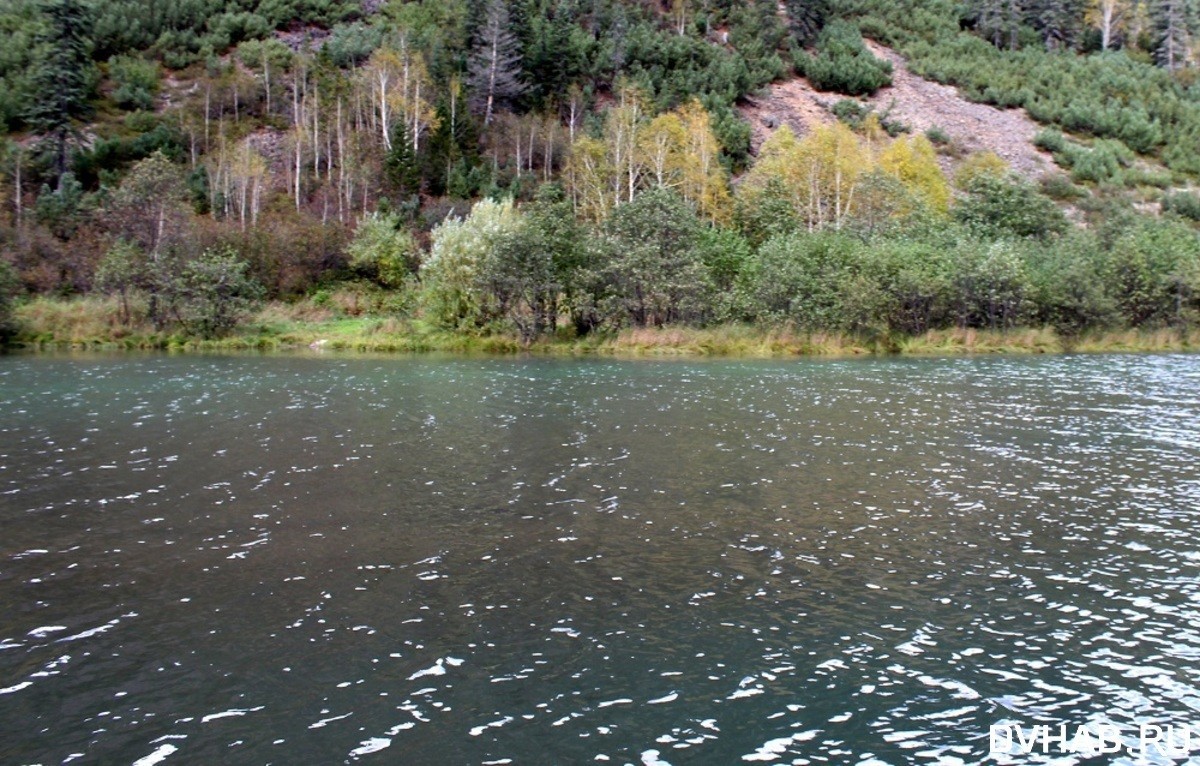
{"points": [[918, 103]]}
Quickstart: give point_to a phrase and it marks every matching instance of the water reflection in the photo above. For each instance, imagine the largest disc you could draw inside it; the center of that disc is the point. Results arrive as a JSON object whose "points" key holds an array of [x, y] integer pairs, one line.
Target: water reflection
{"points": [[496, 561]]}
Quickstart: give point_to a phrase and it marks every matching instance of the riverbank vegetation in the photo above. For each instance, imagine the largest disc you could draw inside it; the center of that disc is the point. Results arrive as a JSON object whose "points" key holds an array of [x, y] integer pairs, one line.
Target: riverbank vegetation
{"points": [[576, 177]]}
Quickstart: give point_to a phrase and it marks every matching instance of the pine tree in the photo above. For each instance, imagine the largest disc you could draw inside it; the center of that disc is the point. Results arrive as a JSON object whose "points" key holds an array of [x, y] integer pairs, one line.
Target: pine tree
{"points": [[495, 66], [62, 79], [1058, 22], [1000, 20], [806, 19]]}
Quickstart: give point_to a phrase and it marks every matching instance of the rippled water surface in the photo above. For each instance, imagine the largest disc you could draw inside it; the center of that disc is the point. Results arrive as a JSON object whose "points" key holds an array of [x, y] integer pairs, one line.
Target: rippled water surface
{"points": [[316, 560]]}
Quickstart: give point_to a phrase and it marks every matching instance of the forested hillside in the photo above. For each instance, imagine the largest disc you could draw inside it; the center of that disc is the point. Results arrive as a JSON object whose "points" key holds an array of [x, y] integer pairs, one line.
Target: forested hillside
{"points": [[560, 169]]}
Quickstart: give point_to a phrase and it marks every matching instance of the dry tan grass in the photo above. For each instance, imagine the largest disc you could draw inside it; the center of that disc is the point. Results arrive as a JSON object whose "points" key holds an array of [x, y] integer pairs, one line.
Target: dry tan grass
{"points": [[79, 321]]}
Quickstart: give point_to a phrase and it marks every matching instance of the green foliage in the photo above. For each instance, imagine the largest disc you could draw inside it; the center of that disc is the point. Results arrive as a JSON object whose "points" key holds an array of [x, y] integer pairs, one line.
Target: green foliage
{"points": [[400, 165], [991, 284], [999, 207], [1051, 140], [843, 64], [652, 268], [806, 18], [1108, 95], [22, 27], [801, 278], [383, 251], [1101, 163], [772, 214], [1153, 271], [184, 31], [460, 249], [8, 290], [112, 156], [350, 45], [123, 270], [135, 82], [64, 209], [938, 137], [1067, 285], [1182, 203], [213, 291], [274, 54], [61, 78], [538, 268], [851, 112]]}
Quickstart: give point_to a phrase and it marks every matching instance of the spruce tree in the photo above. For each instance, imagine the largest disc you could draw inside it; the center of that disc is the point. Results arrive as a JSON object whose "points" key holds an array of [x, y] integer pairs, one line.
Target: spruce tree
{"points": [[62, 79], [400, 164]]}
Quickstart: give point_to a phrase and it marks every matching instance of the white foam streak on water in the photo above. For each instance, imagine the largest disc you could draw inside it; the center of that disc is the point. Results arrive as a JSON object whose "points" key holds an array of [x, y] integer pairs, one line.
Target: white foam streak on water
{"points": [[92, 631], [372, 745], [233, 713], [16, 687], [158, 756]]}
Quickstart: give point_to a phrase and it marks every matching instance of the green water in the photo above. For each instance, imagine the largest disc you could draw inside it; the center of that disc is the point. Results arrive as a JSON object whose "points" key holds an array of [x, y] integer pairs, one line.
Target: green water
{"points": [[421, 561]]}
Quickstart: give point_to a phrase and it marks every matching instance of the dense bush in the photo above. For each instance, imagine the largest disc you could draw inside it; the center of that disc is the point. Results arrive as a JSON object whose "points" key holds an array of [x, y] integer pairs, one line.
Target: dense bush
{"points": [[1186, 204], [654, 273], [135, 82], [802, 278], [8, 289], [383, 251], [1153, 273], [453, 273], [1005, 207], [843, 64], [213, 293]]}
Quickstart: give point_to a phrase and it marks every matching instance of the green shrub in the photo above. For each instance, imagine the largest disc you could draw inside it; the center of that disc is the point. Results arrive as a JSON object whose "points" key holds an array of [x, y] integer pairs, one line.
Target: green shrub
{"points": [[213, 292], [1182, 203], [938, 137], [1153, 272], [1005, 207], [802, 278], [1067, 285], [851, 112], [8, 289], [383, 251], [135, 80], [843, 64], [1051, 140], [1058, 186]]}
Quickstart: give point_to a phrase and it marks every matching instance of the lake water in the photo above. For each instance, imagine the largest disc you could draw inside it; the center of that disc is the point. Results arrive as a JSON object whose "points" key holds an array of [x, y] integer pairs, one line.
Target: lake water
{"points": [[292, 560]]}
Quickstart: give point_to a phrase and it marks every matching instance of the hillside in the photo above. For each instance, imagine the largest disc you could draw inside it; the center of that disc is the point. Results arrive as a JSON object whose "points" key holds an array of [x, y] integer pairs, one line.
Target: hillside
{"points": [[919, 104], [535, 167]]}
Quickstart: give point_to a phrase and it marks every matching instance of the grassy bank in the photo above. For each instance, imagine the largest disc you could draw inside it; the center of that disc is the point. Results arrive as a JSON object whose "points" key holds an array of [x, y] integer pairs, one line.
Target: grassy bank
{"points": [[96, 323]]}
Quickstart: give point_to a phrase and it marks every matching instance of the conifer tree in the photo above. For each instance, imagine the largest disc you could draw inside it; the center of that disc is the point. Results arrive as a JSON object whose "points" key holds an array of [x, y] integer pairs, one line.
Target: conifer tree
{"points": [[62, 79], [1058, 22], [400, 163], [1000, 20], [495, 66], [806, 19], [1173, 22]]}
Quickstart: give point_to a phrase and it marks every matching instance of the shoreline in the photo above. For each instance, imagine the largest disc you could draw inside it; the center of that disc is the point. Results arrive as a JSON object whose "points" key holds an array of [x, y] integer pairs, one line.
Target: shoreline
{"points": [[84, 331]]}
